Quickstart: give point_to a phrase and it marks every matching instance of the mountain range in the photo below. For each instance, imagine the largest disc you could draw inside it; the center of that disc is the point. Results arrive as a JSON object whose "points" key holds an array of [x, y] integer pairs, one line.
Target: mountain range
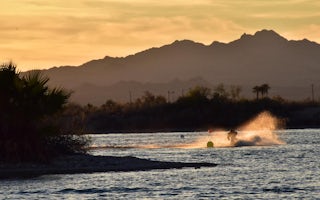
{"points": [[289, 67]]}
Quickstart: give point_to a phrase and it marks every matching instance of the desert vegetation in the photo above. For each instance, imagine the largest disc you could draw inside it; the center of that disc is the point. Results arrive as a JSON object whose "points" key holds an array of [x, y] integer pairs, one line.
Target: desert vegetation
{"points": [[201, 108], [28, 108]]}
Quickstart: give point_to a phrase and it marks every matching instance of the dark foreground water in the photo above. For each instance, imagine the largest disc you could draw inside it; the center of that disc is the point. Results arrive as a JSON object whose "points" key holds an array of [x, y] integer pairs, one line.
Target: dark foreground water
{"points": [[288, 171]]}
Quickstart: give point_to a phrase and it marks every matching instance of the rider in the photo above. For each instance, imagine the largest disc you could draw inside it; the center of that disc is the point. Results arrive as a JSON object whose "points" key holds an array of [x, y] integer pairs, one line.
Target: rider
{"points": [[232, 136]]}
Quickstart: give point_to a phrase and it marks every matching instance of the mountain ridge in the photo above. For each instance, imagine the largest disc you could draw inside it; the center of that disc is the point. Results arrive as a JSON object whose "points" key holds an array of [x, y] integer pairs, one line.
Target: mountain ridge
{"points": [[264, 57]]}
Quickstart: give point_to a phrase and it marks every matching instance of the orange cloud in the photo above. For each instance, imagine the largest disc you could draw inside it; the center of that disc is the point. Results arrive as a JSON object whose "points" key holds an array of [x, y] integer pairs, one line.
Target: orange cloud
{"points": [[47, 33]]}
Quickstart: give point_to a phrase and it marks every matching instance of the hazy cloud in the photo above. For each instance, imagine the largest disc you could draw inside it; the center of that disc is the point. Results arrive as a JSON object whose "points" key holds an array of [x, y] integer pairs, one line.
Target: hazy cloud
{"points": [[58, 32]]}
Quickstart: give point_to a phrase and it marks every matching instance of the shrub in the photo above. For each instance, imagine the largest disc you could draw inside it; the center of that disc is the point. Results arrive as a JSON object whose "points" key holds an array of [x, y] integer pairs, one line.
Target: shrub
{"points": [[25, 103]]}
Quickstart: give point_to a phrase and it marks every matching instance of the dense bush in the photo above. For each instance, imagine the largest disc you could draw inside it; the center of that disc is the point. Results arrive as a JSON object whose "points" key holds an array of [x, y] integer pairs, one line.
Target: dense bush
{"points": [[27, 104]]}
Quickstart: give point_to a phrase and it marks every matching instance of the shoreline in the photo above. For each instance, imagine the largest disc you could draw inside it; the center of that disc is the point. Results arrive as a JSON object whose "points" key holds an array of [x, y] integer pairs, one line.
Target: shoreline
{"points": [[75, 164]]}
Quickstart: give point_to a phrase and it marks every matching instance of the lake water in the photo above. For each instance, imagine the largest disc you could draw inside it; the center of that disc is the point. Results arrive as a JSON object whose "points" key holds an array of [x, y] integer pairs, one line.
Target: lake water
{"points": [[287, 171]]}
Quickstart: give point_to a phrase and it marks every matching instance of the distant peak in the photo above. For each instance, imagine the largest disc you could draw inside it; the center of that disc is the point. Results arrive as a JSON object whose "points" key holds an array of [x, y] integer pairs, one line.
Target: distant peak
{"points": [[264, 35], [107, 57], [186, 43], [183, 42], [216, 43], [245, 36], [268, 34]]}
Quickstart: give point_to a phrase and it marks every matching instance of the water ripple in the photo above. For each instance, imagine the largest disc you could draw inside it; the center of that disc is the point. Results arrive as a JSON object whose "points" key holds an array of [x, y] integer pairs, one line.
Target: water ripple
{"points": [[289, 171], [285, 189], [82, 191]]}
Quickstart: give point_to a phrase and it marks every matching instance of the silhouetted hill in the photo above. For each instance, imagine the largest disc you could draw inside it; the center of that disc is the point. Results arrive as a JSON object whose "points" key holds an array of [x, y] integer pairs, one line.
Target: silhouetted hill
{"points": [[289, 67], [126, 91]]}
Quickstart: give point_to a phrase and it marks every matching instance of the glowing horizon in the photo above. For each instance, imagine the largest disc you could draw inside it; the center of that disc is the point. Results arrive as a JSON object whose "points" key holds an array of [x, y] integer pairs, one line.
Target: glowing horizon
{"points": [[37, 34]]}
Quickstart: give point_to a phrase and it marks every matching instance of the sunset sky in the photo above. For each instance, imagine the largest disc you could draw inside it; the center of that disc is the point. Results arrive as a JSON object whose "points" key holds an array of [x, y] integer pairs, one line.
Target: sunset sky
{"points": [[47, 33]]}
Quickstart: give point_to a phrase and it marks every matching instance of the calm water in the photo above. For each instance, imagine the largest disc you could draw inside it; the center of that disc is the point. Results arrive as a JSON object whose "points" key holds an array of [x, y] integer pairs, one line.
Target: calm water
{"points": [[289, 171]]}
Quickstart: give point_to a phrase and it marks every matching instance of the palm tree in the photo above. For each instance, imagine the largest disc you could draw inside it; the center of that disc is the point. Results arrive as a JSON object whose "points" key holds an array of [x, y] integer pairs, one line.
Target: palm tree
{"points": [[264, 89], [256, 89], [24, 104], [36, 92]]}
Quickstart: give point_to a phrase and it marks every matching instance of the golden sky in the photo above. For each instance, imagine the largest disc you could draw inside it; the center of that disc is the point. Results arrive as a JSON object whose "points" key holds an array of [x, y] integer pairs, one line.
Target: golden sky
{"points": [[46, 33]]}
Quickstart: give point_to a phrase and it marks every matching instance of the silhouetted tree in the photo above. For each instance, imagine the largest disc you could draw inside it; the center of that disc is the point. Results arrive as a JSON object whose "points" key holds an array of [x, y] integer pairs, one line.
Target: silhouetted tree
{"points": [[196, 94], [149, 100], [235, 92], [111, 106], [256, 89], [264, 88], [25, 106], [220, 92]]}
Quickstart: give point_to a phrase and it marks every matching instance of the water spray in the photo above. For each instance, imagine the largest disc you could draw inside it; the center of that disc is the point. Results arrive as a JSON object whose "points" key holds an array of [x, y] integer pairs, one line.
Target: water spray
{"points": [[260, 131]]}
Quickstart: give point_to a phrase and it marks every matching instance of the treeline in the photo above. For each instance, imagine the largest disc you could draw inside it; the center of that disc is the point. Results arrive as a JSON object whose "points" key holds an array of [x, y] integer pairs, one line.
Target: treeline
{"points": [[199, 109]]}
